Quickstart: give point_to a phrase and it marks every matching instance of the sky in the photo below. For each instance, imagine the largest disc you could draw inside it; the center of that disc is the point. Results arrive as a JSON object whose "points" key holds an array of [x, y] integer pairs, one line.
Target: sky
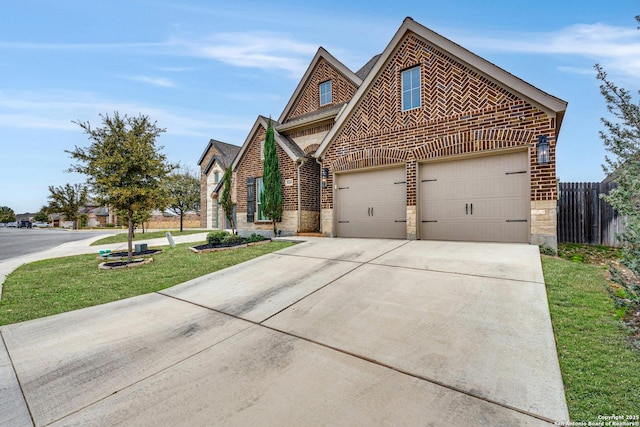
{"points": [[206, 69]]}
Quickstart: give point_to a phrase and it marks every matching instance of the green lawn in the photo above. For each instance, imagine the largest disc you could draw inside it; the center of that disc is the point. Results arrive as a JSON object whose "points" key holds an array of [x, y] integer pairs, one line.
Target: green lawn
{"points": [[122, 237], [600, 368], [58, 285]]}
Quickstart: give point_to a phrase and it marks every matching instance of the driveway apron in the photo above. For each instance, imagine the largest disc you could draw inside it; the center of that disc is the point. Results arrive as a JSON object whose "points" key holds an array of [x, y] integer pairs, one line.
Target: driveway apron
{"points": [[326, 332]]}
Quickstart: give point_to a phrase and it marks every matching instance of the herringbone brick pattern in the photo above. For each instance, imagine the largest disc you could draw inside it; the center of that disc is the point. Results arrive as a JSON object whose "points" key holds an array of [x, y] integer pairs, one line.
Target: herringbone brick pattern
{"points": [[309, 99], [449, 88], [462, 113]]}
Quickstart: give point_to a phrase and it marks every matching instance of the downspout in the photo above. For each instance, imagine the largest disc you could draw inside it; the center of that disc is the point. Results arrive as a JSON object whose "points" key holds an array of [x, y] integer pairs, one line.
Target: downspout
{"points": [[319, 162], [217, 213], [299, 196]]}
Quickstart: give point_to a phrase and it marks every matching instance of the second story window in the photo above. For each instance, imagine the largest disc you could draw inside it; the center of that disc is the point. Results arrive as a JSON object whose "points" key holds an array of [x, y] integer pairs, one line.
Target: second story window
{"points": [[325, 93], [411, 88]]}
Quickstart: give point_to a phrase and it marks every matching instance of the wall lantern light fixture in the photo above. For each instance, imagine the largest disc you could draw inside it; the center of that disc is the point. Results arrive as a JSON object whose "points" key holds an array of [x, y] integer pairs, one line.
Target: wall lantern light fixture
{"points": [[325, 177], [543, 150]]}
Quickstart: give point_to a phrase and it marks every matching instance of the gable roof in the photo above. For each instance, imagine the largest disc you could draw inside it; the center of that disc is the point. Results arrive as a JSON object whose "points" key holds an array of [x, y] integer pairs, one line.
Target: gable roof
{"points": [[366, 68], [311, 118], [227, 153], [289, 147], [548, 103], [213, 161], [320, 54]]}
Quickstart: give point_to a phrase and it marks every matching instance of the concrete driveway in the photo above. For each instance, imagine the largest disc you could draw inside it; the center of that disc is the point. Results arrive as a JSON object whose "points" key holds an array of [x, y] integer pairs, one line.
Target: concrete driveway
{"points": [[328, 332]]}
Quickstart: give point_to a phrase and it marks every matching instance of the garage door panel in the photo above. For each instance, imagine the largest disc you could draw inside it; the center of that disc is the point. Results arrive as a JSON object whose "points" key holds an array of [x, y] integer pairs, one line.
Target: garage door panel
{"points": [[372, 204], [481, 199]]}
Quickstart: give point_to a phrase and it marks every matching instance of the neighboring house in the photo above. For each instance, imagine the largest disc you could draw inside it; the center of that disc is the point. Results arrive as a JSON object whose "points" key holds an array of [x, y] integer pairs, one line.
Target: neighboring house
{"points": [[426, 141], [215, 160], [101, 217], [168, 219]]}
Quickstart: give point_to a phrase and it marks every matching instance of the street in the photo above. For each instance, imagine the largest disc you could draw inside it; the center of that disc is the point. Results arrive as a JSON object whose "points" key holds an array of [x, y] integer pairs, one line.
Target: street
{"points": [[15, 242]]}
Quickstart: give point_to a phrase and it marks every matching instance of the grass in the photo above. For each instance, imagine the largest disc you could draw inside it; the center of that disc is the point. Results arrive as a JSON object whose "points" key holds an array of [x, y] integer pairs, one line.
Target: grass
{"points": [[591, 254], [48, 287], [600, 368], [122, 237]]}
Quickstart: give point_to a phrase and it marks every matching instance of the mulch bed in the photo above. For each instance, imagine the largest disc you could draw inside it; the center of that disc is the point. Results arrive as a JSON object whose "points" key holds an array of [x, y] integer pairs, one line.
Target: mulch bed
{"points": [[221, 246], [110, 265], [124, 254]]}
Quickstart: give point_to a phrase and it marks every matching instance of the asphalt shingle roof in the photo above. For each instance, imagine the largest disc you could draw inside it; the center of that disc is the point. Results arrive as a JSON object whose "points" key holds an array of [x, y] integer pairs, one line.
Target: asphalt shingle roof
{"points": [[366, 68]]}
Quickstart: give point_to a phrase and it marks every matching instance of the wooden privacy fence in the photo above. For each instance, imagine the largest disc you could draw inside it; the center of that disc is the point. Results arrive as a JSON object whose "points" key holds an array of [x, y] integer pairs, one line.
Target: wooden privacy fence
{"points": [[583, 217]]}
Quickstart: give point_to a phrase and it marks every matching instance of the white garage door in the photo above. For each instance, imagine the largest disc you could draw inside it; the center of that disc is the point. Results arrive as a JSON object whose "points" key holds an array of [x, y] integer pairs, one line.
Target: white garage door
{"points": [[480, 199], [372, 204]]}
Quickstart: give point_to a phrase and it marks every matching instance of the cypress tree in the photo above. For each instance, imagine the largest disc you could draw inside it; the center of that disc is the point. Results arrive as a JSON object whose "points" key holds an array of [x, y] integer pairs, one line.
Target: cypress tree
{"points": [[271, 197]]}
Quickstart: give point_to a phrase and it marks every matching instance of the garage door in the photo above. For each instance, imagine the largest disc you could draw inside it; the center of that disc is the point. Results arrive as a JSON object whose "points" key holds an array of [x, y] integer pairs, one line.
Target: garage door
{"points": [[372, 204], [482, 199]]}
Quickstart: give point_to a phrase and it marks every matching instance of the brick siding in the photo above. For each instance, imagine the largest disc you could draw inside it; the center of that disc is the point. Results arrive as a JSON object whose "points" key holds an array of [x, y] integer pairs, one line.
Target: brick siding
{"points": [[462, 112], [251, 165], [309, 99]]}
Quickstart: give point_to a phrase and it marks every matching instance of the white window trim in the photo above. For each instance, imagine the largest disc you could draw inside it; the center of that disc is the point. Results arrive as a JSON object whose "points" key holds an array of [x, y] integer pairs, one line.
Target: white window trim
{"points": [[402, 73], [330, 92], [259, 186]]}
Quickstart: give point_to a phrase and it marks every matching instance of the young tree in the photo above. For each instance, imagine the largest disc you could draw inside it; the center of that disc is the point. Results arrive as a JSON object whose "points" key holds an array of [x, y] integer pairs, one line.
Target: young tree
{"points": [[125, 169], [68, 200], [7, 214], [271, 196], [183, 188], [621, 138], [225, 199], [139, 218], [42, 215]]}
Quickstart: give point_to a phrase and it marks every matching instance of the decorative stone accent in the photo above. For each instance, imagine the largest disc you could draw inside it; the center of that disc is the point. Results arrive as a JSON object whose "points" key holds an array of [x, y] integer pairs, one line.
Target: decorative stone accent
{"points": [[309, 221], [544, 223], [288, 225], [411, 223], [326, 222]]}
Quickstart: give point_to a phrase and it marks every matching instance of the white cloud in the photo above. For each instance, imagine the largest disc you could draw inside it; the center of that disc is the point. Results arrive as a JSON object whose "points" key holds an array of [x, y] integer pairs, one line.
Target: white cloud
{"points": [[577, 70], [154, 81], [264, 50], [56, 111], [254, 50], [616, 48]]}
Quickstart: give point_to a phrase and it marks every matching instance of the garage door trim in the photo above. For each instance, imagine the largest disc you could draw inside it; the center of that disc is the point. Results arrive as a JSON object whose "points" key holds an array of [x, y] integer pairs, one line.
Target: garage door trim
{"points": [[337, 221], [471, 156]]}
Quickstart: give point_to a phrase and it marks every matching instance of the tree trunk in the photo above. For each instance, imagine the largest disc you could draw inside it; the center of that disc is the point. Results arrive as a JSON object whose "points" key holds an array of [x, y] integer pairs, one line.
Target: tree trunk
{"points": [[130, 237], [181, 217]]}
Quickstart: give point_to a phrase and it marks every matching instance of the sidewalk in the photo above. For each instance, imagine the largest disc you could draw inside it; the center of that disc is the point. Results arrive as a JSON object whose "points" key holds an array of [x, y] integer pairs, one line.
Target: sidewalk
{"points": [[81, 247]]}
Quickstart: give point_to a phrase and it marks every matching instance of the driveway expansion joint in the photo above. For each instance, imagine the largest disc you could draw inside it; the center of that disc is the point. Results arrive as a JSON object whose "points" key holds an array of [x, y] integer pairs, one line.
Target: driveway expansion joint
{"points": [[351, 354], [15, 373]]}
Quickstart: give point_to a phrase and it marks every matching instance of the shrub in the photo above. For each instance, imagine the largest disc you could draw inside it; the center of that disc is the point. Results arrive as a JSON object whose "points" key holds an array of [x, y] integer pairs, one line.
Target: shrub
{"points": [[255, 238], [546, 250], [231, 239], [215, 237]]}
